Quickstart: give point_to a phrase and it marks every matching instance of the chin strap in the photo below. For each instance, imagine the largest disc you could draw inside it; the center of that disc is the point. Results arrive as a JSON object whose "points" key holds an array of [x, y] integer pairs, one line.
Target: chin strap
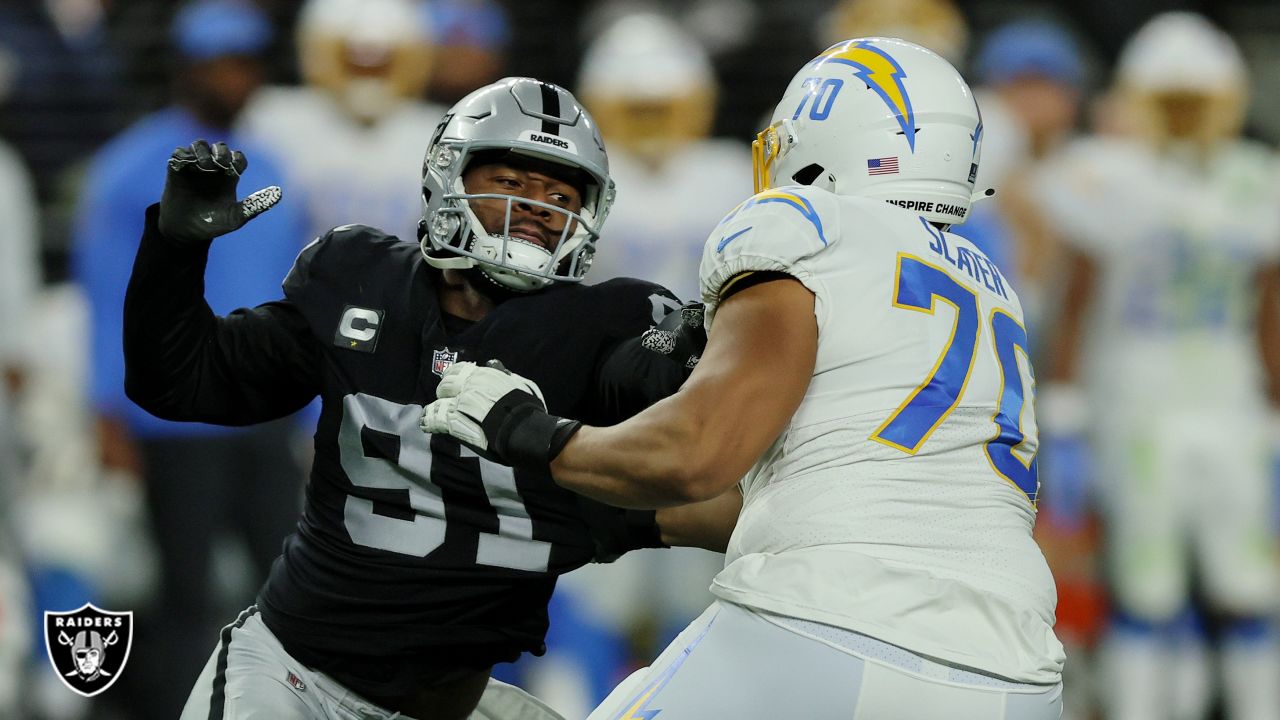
{"points": [[486, 285]]}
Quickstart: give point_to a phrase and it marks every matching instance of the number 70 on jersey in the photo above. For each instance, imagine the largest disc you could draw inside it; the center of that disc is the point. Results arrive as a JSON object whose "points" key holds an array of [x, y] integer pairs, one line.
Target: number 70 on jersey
{"points": [[918, 286]]}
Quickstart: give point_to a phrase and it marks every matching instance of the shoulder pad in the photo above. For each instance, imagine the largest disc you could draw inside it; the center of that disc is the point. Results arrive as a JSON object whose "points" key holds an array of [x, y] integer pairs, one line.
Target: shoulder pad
{"points": [[629, 305], [633, 286], [771, 231], [343, 252]]}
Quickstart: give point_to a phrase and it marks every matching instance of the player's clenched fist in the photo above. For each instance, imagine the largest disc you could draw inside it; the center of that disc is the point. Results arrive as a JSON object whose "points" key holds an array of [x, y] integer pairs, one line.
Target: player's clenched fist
{"points": [[199, 201], [499, 414]]}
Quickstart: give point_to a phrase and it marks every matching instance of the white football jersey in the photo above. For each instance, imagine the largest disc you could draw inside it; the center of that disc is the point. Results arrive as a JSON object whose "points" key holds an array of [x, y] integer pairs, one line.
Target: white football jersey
{"points": [[1178, 246], [349, 171], [899, 501], [657, 226]]}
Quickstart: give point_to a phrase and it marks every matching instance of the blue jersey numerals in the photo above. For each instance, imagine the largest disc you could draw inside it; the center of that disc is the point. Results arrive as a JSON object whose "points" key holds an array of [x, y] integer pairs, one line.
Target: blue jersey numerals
{"points": [[919, 286], [1011, 341]]}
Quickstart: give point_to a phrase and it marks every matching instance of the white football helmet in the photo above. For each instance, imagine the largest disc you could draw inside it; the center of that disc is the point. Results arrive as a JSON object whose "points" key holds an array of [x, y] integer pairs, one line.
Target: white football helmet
{"points": [[1183, 79], [880, 118], [1181, 51], [650, 84], [370, 55]]}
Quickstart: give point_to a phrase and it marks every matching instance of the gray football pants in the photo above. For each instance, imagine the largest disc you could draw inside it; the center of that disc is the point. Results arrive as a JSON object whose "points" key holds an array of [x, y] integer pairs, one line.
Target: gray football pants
{"points": [[250, 676]]}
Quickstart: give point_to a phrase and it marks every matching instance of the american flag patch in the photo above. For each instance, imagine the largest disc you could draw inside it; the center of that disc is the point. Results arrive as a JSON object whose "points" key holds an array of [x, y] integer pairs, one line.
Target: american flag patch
{"points": [[882, 166]]}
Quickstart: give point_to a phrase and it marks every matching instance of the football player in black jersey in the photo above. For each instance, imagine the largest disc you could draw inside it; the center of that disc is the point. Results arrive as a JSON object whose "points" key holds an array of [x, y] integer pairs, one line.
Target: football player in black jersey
{"points": [[416, 565]]}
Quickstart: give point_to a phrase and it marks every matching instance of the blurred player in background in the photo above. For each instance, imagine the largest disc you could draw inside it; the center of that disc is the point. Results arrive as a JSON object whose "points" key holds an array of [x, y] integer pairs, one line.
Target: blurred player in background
{"points": [[20, 277], [866, 378], [1166, 357], [652, 88], [366, 64], [199, 480], [471, 39], [935, 24], [1031, 76]]}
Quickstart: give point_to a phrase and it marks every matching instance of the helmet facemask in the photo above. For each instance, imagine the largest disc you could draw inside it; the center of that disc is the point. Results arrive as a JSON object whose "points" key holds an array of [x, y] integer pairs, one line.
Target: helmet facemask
{"points": [[454, 237], [770, 146]]}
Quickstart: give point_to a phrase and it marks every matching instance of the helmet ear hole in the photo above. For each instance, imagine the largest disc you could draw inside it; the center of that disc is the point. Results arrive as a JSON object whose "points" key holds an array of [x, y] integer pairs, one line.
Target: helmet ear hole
{"points": [[807, 174]]}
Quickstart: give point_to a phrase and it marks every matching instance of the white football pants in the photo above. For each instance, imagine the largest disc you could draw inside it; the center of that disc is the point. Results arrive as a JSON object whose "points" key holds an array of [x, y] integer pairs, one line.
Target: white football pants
{"points": [[733, 662]]}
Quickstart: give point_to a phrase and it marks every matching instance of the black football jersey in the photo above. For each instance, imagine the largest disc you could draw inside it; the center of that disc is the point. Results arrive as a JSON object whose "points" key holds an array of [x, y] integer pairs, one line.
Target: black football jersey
{"points": [[412, 551]]}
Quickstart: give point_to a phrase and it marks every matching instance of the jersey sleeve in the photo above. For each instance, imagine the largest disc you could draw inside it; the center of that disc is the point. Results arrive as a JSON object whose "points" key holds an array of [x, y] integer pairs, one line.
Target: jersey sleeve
{"points": [[334, 262], [774, 231], [628, 377], [183, 362]]}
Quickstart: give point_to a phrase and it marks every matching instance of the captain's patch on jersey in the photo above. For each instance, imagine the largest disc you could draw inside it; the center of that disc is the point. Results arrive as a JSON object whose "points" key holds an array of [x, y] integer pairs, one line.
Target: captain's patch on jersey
{"points": [[358, 329]]}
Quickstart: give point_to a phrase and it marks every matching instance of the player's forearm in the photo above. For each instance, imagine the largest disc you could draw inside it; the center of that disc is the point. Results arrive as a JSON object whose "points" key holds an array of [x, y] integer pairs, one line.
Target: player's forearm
{"points": [[697, 443], [654, 460], [165, 321]]}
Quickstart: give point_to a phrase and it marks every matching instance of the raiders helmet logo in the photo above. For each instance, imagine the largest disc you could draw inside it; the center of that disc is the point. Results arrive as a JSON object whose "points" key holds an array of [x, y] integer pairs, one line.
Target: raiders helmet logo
{"points": [[88, 647], [545, 138]]}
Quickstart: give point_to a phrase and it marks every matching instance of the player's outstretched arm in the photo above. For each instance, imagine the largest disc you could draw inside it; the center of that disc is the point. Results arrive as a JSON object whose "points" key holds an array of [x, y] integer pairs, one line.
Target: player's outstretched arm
{"points": [[181, 361], [696, 444], [688, 448]]}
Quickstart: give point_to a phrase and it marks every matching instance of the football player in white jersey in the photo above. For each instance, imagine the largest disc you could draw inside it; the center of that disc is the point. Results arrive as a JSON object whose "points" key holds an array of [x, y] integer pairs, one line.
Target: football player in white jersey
{"points": [[866, 388], [1164, 358], [365, 63]]}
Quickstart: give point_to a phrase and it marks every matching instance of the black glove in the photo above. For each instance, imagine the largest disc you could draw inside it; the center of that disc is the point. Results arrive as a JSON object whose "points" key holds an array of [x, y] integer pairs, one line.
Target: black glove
{"points": [[615, 531], [498, 414], [681, 336], [199, 201]]}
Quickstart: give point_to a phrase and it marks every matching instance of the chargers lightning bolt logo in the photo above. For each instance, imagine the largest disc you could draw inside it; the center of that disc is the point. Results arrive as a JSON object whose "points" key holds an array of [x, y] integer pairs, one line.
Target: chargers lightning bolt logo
{"points": [[881, 73]]}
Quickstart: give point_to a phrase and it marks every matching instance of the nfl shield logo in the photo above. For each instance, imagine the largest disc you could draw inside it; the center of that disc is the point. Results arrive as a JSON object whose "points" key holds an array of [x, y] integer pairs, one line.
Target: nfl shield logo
{"points": [[88, 647], [441, 360]]}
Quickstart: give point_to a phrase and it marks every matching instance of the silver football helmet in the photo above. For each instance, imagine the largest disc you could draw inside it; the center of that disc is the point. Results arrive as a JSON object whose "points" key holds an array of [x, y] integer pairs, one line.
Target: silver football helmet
{"points": [[527, 117]]}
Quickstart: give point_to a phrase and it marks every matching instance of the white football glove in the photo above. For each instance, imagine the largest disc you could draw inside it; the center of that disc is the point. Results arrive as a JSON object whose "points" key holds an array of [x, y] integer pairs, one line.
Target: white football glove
{"points": [[497, 413], [467, 393]]}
